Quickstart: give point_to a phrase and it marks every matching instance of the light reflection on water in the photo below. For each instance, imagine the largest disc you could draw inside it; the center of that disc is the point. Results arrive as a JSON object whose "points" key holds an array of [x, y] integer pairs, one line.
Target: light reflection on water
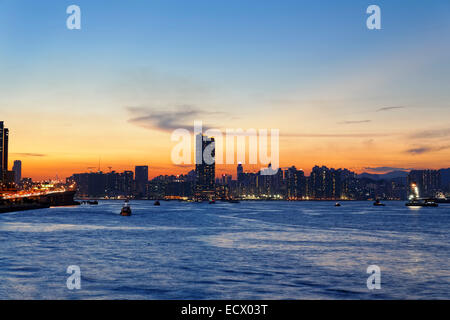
{"points": [[250, 250]]}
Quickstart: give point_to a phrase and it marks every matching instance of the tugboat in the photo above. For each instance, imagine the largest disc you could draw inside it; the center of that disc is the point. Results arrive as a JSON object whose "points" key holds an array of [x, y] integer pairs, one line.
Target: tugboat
{"points": [[377, 203], [157, 203], [337, 204], [126, 209]]}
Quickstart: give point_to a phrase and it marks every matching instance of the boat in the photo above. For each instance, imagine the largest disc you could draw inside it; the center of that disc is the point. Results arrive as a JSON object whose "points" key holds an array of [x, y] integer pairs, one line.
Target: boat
{"points": [[157, 203], [337, 204], [378, 203], [126, 209], [421, 203], [93, 202], [212, 201], [416, 201], [233, 201]]}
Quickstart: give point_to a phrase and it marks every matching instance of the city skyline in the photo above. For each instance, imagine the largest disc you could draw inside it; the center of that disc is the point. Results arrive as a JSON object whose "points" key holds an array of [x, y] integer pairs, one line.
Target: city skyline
{"points": [[343, 95], [176, 170], [323, 183], [141, 171]]}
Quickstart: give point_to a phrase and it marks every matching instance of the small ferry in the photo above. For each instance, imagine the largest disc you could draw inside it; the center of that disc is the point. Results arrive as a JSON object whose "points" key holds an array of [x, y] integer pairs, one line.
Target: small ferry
{"points": [[421, 203], [126, 209], [378, 203], [416, 201]]}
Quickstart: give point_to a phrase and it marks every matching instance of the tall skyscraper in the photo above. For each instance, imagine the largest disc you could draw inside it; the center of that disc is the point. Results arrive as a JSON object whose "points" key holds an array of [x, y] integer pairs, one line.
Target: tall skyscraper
{"points": [[240, 171], [205, 167], [2, 129], [141, 178], [17, 168], [5, 149], [4, 141]]}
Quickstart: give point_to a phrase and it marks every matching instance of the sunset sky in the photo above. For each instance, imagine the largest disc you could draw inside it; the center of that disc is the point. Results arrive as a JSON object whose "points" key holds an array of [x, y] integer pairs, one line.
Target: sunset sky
{"points": [[341, 95]]}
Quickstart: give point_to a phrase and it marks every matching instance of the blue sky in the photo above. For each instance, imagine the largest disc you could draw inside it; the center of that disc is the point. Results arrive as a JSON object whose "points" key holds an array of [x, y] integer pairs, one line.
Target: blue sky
{"points": [[216, 40], [262, 63]]}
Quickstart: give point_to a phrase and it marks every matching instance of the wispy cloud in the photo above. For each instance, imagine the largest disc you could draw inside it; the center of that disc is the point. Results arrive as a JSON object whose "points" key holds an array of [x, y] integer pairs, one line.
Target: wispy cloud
{"points": [[183, 165], [334, 135], [431, 134], [27, 154], [426, 149], [181, 117], [389, 109], [354, 122]]}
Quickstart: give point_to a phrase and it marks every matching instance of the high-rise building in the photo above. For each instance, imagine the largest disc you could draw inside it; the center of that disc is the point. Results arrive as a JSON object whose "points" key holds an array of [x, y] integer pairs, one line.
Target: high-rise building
{"points": [[295, 183], [141, 178], [4, 140], [325, 183], [5, 149], [99, 184], [240, 171], [126, 180], [226, 179], [96, 184], [2, 129], [205, 167], [428, 182], [17, 168], [445, 179]]}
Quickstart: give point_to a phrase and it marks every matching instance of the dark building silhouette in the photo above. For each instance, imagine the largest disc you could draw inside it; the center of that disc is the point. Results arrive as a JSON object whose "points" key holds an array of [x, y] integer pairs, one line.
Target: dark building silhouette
{"points": [[295, 184], [239, 172], [325, 183], [4, 142], [428, 182], [99, 184], [205, 167], [5, 149], [141, 178], [226, 179], [445, 179], [17, 168], [126, 183]]}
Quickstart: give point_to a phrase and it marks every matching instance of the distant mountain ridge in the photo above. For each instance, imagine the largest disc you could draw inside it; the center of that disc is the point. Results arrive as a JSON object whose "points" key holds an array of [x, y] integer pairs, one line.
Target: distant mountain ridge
{"points": [[384, 176]]}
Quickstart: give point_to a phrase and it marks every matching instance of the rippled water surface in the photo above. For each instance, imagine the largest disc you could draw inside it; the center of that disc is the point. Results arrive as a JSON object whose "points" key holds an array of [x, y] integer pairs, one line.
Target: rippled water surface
{"points": [[250, 250]]}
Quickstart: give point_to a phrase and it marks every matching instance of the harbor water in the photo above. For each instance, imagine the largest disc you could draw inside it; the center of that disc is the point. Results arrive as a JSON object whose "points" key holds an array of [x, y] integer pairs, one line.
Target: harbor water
{"points": [[247, 250]]}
